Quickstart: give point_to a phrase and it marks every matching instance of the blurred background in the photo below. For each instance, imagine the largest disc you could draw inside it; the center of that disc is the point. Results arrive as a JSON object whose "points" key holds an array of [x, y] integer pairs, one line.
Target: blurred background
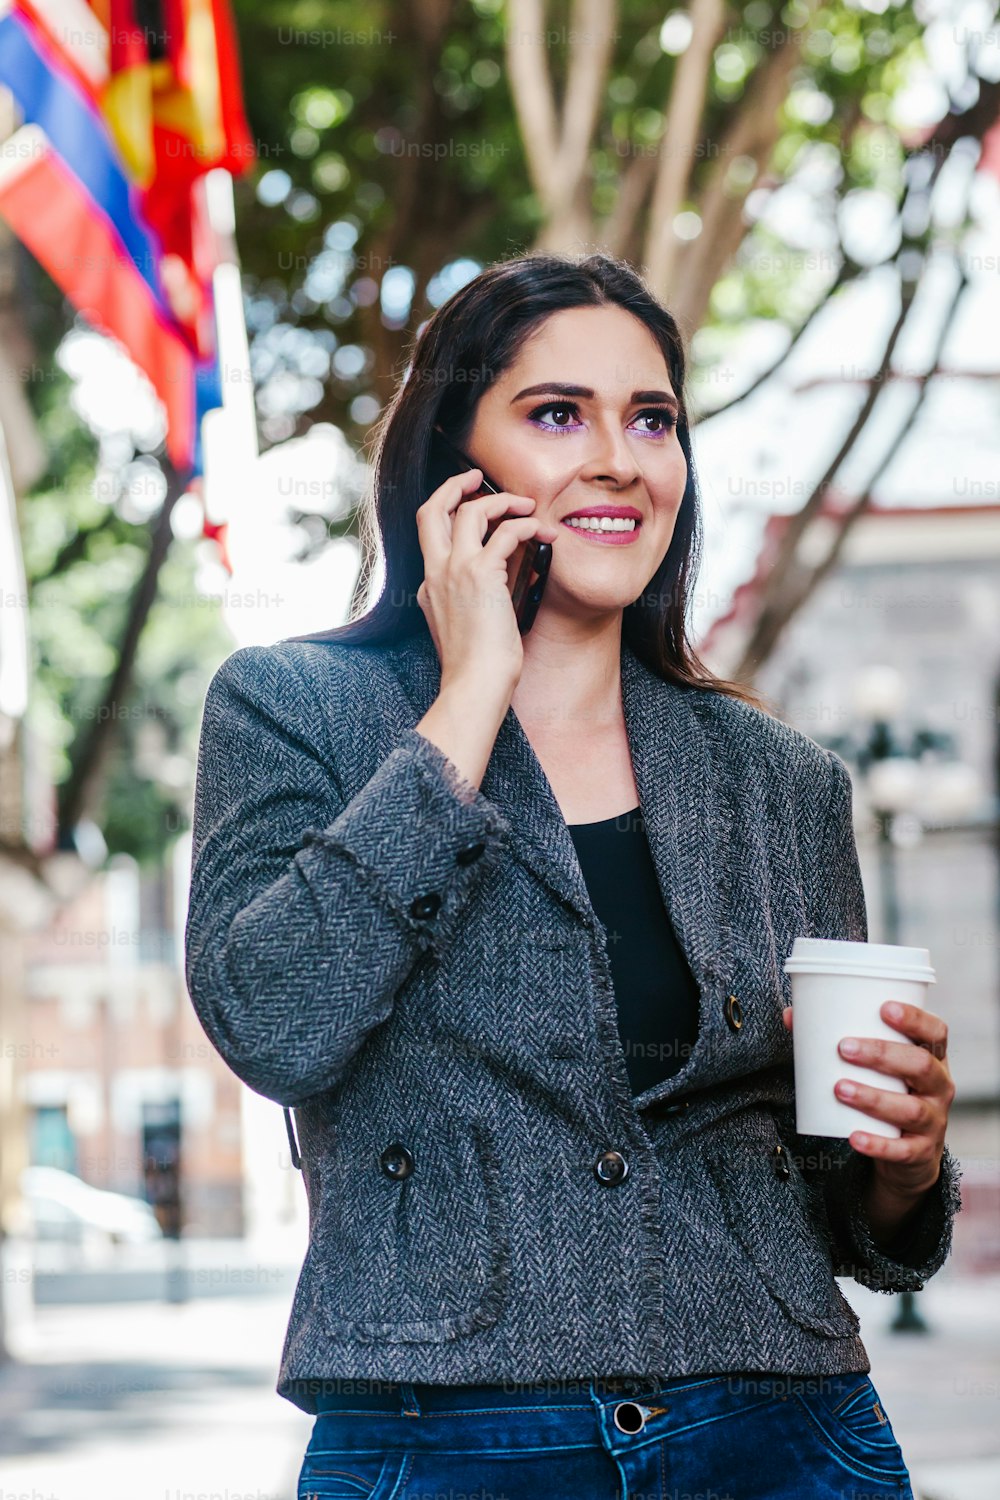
{"points": [[220, 229]]}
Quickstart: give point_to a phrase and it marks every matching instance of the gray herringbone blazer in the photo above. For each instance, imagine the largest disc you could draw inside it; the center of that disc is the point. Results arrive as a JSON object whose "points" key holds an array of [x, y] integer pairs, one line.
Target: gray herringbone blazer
{"points": [[415, 966]]}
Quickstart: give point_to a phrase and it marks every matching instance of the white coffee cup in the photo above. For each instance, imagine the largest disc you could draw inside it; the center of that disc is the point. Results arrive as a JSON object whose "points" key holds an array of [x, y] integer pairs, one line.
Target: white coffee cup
{"points": [[838, 989]]}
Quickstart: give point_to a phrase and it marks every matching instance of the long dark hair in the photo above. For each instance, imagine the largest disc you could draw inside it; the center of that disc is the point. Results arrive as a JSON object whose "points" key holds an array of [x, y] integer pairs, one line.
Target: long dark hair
{"points": [[458, 353]]}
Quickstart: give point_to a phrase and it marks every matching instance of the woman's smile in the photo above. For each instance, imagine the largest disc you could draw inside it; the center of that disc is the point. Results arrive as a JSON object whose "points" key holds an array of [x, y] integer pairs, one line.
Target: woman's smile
{"points": [[608, 531]]}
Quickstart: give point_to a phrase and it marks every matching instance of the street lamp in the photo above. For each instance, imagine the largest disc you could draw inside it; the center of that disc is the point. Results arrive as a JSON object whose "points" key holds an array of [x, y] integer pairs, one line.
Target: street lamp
{"points": [[899, 783], [162, 1128]]}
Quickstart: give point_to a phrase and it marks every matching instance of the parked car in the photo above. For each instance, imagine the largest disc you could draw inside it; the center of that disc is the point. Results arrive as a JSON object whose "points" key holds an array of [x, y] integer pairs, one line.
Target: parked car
{"points": [[66, 1209]]}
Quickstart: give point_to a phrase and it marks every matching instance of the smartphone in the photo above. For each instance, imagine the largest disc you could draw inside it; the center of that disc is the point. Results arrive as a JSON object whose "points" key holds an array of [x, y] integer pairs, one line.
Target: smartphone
{"points": [[526, 595]]}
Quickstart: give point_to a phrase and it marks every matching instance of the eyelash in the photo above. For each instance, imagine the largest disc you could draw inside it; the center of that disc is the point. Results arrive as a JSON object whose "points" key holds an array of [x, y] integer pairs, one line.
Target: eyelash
{"points": [[663, 412]]}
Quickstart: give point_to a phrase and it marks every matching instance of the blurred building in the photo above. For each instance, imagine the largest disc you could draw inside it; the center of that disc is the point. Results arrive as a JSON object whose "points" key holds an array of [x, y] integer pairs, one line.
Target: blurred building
{"points": [[25, 896], [918, 590], [117, 1062], [117, 1055]]}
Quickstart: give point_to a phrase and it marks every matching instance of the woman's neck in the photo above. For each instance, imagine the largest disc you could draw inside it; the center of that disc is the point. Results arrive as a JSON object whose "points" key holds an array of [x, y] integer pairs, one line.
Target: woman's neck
{"points": [[571, 686]]}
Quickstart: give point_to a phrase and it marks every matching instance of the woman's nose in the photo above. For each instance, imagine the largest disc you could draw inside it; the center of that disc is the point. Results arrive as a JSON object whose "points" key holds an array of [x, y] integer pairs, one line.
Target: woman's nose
{"points": [[612, 457]]}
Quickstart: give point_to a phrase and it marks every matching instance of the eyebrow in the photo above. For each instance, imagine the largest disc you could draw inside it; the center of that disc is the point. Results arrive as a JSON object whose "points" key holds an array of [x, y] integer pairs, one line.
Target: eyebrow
{"points": [[554, 387]]}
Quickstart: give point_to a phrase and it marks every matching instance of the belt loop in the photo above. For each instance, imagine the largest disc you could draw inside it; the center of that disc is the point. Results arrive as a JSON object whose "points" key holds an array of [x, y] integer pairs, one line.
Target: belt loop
{"points": [[411, 1406]]}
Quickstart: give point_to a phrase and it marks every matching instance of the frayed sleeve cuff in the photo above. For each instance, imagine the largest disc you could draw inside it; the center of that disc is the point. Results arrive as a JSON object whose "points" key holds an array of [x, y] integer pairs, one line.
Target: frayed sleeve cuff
{"points": [[921, 1248]]}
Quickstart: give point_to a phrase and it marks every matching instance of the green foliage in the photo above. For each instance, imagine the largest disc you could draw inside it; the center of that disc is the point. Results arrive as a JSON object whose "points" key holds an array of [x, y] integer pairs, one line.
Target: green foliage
{"points": [[82, 560], [417, 159], [384, 156]]}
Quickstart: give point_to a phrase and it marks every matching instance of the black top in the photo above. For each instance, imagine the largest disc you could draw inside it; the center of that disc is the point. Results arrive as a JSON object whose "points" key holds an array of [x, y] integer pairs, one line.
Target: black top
{"points": [[656, 993]]}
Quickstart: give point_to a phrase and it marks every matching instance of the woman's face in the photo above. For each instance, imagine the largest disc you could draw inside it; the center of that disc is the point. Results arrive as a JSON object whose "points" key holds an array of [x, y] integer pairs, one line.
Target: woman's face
{"points": [[584, 421]]}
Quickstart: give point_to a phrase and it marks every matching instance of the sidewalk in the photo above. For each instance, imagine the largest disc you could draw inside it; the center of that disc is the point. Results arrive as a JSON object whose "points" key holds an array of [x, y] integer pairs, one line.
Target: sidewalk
{"points": [[152, 1400], [940, 1389], [178, 1401]]}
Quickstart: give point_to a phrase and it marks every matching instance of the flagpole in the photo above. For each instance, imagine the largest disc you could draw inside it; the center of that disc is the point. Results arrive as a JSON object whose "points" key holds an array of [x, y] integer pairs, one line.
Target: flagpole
{"points": [[229, 432], [231, 450], [15, 810]]}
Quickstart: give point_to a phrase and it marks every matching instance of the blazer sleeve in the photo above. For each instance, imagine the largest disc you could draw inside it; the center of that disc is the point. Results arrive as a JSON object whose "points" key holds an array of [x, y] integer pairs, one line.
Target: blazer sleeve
{"points": [[837, 1174], [307, 911]]}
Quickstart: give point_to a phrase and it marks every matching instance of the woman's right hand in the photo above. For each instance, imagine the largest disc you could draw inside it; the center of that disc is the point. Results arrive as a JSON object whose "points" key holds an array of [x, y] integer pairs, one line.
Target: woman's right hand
{"points": [[466, 592]]}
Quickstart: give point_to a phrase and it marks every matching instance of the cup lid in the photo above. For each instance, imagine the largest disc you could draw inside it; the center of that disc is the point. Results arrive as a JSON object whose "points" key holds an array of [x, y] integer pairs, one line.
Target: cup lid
{"points": [[833, 956]]}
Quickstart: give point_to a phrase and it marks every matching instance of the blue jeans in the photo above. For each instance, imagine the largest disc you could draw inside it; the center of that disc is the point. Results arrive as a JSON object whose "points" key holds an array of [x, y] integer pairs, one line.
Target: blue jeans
{"points": [[741, 1436]]}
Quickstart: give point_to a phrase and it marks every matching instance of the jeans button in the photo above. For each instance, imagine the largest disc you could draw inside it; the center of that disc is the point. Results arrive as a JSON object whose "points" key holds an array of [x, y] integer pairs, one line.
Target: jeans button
{"points": [[628, 1417]]}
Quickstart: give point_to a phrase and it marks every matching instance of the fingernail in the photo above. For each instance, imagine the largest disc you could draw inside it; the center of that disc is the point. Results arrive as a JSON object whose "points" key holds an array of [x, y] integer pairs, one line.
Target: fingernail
{"points": [[850, 1046], [848, 1090], [894, 1010]]}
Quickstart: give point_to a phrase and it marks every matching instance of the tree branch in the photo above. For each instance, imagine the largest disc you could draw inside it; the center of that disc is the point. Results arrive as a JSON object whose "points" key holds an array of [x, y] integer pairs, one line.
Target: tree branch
{"points": [[789, 585], [532, 94], [618, 227], [754, 133], [75, 548], [774, 612], [680, 134], [591, 38], [846, 273], [849, 269], [863, 503], [802, 583], [89, 751]]}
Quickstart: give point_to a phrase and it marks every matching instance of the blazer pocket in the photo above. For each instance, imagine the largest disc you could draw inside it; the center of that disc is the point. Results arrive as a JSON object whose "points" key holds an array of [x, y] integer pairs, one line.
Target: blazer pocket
{"points": [[412, 1241], [767, 1206]]}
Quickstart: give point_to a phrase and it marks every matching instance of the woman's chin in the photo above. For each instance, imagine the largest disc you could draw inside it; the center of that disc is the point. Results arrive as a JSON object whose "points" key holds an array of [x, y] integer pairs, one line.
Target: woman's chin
{"points": [[579, 601]]}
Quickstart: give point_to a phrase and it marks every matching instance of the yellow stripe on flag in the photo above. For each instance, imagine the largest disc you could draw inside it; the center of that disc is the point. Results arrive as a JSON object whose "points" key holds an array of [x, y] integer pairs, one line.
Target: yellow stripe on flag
{"points": [[127, 105]]}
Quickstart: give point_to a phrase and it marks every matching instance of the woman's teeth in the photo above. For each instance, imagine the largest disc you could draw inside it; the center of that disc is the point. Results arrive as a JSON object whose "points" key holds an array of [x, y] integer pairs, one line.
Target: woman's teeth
{"points": [[601, 523]]}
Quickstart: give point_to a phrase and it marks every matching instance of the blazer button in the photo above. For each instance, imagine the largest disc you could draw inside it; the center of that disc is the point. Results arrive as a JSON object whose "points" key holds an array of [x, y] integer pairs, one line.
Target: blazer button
{"points": [[426, 906], [733, 1012], [471, 854], [611, 1168], [780, 1162], [396, 1161]]}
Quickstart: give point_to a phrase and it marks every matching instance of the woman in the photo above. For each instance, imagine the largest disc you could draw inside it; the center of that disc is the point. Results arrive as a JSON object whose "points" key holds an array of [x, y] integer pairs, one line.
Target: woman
{"points": [[503, 919]]}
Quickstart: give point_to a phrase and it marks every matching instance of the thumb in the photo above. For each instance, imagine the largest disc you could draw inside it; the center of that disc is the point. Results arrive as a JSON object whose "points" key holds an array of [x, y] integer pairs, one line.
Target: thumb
{"points": [[786, 1016]]}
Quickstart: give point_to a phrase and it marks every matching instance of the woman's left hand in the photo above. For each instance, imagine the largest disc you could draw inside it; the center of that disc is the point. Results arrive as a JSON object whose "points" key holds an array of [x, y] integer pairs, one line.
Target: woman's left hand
{"points": [[911, 1163]]}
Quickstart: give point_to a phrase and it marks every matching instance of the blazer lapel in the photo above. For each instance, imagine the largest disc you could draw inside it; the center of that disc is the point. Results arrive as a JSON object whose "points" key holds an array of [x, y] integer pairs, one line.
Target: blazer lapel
{"points": [[675, 776]]}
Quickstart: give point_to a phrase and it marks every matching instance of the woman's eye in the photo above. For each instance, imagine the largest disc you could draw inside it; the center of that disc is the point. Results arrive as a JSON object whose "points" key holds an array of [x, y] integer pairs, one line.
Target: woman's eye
{"points": [[660, 414], [565, 412], [553, 406]]}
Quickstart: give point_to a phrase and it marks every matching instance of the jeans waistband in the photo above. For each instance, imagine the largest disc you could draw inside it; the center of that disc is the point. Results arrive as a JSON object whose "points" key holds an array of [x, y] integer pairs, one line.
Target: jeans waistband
{"points": [[417, 1398]]}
